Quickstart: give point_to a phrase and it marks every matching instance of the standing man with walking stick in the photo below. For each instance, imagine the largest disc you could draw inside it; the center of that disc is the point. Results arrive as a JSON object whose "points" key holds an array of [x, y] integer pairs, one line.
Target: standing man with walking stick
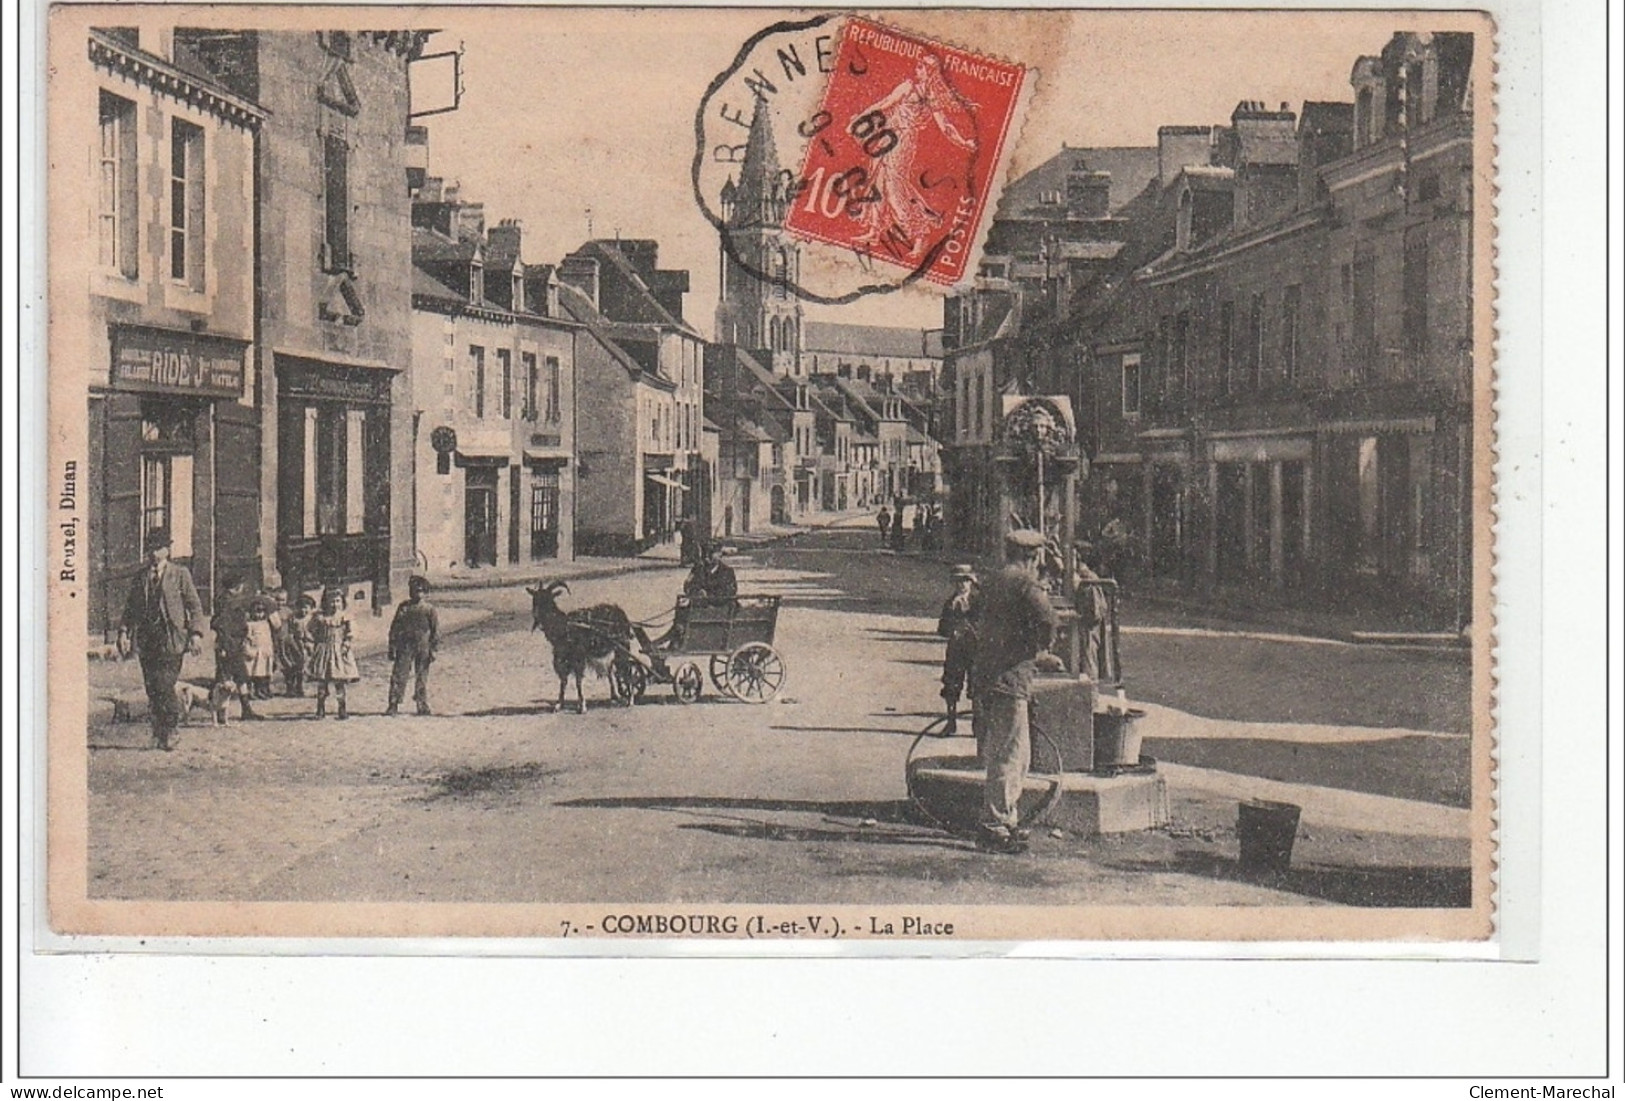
{"points": [[163, 621]]}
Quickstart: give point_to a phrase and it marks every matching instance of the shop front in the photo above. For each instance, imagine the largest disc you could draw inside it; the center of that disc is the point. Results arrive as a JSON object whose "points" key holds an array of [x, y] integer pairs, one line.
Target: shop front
{"points": [[333, 502], [172, 446]]}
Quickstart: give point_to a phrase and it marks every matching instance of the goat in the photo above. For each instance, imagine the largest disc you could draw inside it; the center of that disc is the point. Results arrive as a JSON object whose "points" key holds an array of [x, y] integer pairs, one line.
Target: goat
{"points": [[595, 637]]}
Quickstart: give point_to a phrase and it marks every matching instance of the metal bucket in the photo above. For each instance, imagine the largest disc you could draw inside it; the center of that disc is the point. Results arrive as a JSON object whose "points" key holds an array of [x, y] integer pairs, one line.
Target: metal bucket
{"points": [[1117, 737], [1266, 830]]}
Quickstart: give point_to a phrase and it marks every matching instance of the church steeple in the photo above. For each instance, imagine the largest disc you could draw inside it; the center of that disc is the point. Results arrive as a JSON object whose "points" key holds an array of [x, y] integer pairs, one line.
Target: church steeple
{"points": [[757, 309]]}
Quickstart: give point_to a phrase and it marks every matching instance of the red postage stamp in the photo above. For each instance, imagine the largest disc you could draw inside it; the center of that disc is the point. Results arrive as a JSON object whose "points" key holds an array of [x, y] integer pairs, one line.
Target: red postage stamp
{"points": [[902, 153]]}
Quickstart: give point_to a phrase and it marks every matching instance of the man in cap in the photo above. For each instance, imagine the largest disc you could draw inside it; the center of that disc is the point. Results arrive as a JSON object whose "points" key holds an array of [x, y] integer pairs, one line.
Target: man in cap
{"points": [[163, 621], [1015, 625], [713, 580], [955, 624], [414, 634]]}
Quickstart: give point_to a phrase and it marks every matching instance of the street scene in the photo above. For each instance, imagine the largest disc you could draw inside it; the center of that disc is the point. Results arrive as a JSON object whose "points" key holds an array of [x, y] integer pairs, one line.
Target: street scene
{"points": [[497, 798], [946, 461]]}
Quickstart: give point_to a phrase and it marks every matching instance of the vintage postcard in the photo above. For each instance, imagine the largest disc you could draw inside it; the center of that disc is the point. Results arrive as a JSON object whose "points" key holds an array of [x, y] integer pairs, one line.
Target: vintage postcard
{"points": [[899, 478]]}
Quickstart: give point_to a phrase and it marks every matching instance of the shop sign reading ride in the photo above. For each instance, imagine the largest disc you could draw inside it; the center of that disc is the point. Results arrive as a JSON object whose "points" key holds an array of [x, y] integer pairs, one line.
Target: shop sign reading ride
{"points": [[163, 361]]}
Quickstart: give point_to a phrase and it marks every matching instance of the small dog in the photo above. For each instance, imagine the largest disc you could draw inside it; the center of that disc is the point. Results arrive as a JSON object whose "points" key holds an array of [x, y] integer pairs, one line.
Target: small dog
{"points": [[189, 697]]}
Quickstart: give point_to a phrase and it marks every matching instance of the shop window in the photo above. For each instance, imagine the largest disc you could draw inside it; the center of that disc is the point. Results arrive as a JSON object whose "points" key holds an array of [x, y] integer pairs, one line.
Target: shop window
{"points": [[1131, 386], [355, 433], [335, 471], [166, 499], [117, 218], [505, 380], [335, 203], [544, 514], [527, 361], [186, 203], [554, 410]]}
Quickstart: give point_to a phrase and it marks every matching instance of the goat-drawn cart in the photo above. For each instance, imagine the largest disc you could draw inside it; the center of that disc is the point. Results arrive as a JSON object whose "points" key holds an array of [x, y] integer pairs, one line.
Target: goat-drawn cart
{"points": [[735, 637]]}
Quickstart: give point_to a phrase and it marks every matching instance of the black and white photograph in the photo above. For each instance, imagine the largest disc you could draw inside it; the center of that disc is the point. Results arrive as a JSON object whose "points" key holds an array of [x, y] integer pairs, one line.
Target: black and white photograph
{"points": [[903, 478]]}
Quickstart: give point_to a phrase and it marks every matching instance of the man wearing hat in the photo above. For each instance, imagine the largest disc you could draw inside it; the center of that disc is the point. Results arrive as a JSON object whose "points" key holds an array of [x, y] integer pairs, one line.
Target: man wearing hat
{"points": [[413, 635], [956, 625], [713, 580], [163, 620], [1015, 626]]}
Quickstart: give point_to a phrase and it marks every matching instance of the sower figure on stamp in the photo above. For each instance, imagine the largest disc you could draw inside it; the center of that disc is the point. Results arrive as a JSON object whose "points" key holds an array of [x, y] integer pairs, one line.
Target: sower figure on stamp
{"points": [[413, 635], [163, 621], [1015, 626], [956, 624]]}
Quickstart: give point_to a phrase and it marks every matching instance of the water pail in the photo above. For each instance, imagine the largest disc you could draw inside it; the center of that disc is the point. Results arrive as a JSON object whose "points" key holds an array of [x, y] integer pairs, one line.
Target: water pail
{"points": [[1117, 737], [1266, 831]]}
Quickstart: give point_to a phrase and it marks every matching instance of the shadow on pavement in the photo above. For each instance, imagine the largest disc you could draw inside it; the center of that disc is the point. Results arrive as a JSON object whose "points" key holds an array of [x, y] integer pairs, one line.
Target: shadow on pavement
{"points": [[1421, 887], [882, 812], [846, 730], [1431, 770]]}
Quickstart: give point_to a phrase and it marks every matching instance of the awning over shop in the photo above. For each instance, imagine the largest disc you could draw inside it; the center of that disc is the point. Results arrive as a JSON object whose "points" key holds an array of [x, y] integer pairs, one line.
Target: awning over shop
{"points": [[544, 458], [482, 456]]}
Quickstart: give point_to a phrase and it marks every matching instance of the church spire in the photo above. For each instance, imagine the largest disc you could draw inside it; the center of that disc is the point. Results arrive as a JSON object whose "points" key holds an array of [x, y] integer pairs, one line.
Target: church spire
{"points": [[759, 189]]}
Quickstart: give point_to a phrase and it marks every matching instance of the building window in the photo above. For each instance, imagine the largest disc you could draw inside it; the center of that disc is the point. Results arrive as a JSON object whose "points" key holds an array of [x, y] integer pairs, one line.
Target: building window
{"points": [[186, 203], [1363, 313], [518, 296], [117, 220], [554, 403], [476, 283], [1227, 335], [532, 382], [505, 380], [1414, 323], [1291, 310], [335, 203], [478, 355], [1131, 386], [1255, 342]]}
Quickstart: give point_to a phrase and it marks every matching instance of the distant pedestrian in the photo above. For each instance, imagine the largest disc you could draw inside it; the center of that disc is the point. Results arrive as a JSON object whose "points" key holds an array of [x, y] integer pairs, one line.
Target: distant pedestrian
{"points": [[332, 655], [162, 623], [1015, 626], [957, 625], [884, 520], [230, 626], [899, 533], [413, 636], [296, 646]]}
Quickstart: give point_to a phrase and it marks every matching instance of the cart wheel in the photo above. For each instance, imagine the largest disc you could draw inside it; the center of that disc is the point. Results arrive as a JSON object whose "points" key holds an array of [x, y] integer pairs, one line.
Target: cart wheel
{"points": [[719, 674], [755, 672], [687, 682], [628, 680]]}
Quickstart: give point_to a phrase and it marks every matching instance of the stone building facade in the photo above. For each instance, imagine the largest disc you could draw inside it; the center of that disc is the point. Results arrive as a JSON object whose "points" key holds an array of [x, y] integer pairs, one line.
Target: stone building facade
{"points": [[152, 296]]}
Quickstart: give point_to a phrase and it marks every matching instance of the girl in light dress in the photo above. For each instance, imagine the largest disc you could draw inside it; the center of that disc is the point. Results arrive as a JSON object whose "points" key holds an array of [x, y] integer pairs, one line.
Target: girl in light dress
{"points": [[332, 653], [259, 648]]}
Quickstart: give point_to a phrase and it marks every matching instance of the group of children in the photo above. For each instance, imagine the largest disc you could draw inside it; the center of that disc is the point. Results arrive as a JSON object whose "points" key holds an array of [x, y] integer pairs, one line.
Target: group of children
{"points": [[257, 637]]}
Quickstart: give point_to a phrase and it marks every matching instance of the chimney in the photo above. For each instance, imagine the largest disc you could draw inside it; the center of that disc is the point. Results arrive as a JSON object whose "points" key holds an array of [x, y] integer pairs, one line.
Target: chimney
{"points": [[581, 272], [1088, 194], [470, 221], [503, 241], [1178, 146]]}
